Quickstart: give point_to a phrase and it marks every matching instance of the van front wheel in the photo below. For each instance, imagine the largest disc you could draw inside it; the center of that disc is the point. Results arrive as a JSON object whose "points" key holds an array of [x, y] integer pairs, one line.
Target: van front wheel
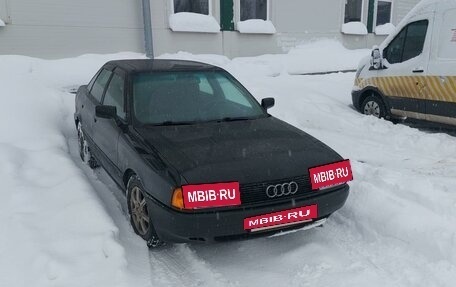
{"points": [[373, 106]]}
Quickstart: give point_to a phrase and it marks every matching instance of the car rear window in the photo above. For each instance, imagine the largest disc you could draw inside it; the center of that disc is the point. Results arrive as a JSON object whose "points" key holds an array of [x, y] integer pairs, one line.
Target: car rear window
{"points": [[175, 97]]}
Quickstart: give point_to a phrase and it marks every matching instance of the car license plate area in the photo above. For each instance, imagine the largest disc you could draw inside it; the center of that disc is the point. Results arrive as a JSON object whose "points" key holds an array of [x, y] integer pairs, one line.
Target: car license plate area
{"points": [[281, 218]]}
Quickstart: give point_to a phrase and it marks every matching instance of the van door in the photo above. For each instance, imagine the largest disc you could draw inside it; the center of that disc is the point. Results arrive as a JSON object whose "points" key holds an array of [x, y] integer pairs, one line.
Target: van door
{"points": [[405, 63], [441, 82]]}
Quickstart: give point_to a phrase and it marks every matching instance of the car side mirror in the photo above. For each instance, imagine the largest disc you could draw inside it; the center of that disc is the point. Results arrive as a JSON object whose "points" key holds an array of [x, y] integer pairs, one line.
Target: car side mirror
{"points": [[267, 103], [376, 59], [106, 112]]}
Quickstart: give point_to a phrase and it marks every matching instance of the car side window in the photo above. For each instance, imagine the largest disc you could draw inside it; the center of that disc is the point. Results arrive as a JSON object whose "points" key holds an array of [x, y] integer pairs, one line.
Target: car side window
{"points": [[100, 84], [115, 95], [408, 43], [92, 81]]}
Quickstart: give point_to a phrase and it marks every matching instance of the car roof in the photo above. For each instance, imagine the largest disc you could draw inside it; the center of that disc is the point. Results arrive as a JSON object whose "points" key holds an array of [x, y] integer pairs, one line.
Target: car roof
{"points": [[152, 65]]}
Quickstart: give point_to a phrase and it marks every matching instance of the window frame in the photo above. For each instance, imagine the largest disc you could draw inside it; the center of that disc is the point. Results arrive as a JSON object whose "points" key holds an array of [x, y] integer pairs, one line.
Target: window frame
{"points": [[109, 70], [237, 12], [362, 20], [403, 44], [210, 6], [376, 11], [119, 72]]}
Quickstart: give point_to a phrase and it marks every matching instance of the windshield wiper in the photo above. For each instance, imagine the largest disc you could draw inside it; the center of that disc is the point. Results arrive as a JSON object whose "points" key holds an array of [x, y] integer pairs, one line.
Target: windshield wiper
{"points": [[171, 123], [232, 119]]}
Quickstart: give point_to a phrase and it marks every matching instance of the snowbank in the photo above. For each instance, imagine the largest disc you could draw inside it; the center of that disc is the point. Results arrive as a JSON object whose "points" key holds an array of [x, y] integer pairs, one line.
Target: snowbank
{"points": [[256, 26], [193, 22], [54, 229], [354, 28], [324, 55], [385, 29], [316, 57]]}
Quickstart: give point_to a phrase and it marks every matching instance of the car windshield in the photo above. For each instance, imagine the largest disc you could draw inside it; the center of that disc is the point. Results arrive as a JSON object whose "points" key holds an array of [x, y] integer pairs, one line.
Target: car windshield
{"points": [[161, 98]]}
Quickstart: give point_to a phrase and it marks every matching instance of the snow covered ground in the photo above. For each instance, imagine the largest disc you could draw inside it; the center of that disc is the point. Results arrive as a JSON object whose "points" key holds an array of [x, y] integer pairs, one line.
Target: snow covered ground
{"points": [[61, 224]]}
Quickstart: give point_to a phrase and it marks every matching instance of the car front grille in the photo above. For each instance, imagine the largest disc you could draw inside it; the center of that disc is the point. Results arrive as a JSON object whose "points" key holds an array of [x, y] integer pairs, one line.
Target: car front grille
{"points": [[256, 192]]}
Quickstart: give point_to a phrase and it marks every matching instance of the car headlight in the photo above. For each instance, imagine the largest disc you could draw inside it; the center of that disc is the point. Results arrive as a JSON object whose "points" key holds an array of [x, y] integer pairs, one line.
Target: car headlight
{"points": [[177, 200]]}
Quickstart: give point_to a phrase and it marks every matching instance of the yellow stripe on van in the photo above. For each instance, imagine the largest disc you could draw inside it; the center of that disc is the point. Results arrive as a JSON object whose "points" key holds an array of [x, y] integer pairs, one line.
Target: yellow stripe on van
{"points": [[434, 88]]}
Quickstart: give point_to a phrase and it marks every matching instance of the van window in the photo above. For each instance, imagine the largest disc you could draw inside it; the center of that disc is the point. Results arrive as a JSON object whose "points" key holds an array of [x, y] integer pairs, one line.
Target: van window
{"points": [[394, 49], [408, 43], [447, 44], [414, 42]]}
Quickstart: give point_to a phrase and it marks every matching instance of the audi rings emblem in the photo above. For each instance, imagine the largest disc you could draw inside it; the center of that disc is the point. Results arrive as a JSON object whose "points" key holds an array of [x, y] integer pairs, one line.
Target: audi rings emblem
{"points": [[282, 189]]}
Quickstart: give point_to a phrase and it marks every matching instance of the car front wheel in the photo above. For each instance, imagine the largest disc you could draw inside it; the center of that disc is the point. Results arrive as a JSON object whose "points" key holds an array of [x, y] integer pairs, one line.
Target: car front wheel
{"points": [[373, 106], [140, 218]]}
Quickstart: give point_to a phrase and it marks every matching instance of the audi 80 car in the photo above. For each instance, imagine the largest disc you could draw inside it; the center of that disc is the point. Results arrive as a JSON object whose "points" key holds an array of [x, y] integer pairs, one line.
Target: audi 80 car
{"points": [[199, 158]]}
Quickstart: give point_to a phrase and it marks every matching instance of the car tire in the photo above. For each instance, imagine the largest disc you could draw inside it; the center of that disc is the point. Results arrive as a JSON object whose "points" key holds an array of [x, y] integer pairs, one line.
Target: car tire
{"points": [[138, 211], [84, 149], [374, 106]]}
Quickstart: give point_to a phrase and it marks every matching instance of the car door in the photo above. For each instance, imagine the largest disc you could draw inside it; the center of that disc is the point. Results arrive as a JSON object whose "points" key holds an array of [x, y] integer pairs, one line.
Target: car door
{"points": [[405, 63], [94, 96], [107, 131]]}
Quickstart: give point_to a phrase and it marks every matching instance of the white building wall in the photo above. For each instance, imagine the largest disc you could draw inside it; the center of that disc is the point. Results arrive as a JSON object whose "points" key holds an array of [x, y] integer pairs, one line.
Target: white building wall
{"points": [[62, 28], [167, 41]]}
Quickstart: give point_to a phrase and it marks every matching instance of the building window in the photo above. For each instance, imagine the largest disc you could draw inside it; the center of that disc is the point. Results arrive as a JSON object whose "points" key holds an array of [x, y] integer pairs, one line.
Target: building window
{"points": [[254, 9], [384, 11], [353, 11], [193, 6]]}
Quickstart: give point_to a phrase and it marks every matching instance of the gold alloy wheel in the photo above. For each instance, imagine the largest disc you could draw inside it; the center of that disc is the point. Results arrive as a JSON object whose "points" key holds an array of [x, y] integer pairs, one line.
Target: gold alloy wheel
{"points": [[139, 212]]}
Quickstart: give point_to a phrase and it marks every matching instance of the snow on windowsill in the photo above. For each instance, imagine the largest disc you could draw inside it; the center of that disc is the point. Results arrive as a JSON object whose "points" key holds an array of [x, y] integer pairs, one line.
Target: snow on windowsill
{"points": [[256, 26], [193, 22], [354, 28], [385, 29], [2, 23]]}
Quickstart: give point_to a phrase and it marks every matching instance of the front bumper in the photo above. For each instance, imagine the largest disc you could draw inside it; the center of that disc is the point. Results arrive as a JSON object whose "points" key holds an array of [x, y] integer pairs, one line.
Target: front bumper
{"points": [[176, 226]]}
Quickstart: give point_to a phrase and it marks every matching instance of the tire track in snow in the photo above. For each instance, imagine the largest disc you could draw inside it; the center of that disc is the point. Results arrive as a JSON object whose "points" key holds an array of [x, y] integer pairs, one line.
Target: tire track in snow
{"points": [[185, 267], [112, 198]]}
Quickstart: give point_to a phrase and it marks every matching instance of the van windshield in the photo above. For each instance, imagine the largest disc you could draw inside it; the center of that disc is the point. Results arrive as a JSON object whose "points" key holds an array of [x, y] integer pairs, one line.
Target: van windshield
{"points": [[189, 97]]}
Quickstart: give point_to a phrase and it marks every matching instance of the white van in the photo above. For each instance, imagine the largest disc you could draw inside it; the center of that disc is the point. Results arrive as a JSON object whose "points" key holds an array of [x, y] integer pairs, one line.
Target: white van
{"points": [[413, 72]]}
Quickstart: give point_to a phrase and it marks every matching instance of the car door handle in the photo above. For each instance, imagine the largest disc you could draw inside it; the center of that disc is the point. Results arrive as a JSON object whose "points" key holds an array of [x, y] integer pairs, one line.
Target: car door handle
{"points": [[418, 71]]}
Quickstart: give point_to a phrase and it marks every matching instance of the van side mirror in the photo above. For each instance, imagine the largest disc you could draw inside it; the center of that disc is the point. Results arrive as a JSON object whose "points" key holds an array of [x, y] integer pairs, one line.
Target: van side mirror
{"points": [[105, 112], [267, 103], [376, 59]]}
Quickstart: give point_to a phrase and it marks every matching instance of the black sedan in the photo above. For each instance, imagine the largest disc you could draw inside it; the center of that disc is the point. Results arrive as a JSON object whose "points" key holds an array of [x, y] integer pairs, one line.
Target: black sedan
{"points": [[200, 159]]}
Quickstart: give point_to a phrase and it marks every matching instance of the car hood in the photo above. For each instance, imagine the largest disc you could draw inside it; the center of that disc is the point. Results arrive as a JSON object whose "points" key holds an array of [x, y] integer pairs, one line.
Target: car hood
{"points": [[245, 151]]}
